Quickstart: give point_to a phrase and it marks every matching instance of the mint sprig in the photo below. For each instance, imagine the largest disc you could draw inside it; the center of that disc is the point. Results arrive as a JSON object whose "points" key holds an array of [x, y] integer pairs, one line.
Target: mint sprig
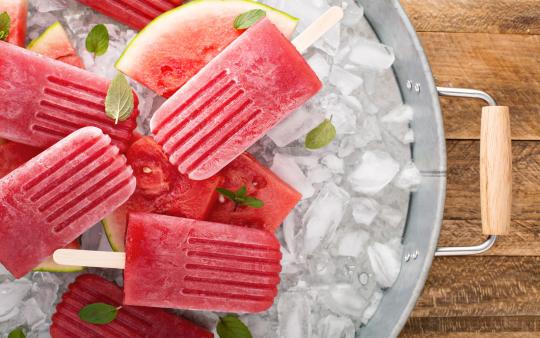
{"points": [[120, 102], [99, 313], [17, 333], [321, 136], [240, 197], [248, 19], [97, 41], [231, 326], [5, 25]]}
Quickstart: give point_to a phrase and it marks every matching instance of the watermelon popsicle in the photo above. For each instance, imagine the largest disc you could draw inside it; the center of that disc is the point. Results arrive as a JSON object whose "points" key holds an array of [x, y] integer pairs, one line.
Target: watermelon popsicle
{"points": [[134, 13], [131, 322], [52, 199], [256, 82], [44, 100], [188, 264]]}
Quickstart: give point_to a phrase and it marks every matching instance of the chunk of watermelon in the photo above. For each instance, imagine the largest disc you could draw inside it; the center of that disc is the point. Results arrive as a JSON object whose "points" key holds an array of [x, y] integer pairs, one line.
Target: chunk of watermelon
{"points": [[279, 198], [18, 12], [54, 43], [160, 189]]}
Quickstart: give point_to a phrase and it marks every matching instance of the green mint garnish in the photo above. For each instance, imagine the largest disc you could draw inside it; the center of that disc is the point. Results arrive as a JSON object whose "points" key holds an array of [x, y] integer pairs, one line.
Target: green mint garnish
{"points": [[17, 333], [97, 41], [321, 136], [120, 102], [99, 313], [5, 24], [231, 326], [240, 197], [248, 19]]}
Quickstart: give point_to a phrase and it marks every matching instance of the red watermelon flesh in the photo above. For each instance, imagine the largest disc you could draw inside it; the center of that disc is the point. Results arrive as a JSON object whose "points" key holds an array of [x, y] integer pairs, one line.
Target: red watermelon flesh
{"points": [[160, 189], [134, 13], [13, 155], [18, 12], [279, 198]]}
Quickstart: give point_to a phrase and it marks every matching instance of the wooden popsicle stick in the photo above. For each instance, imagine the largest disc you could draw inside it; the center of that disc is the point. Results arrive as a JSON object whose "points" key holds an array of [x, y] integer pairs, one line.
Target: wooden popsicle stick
{"points": [[496, 170], [91, 259], [318, 28]]}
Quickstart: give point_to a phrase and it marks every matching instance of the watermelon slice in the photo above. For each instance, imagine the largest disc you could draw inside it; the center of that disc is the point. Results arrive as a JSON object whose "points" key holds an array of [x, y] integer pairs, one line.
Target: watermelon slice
{"points": [[279, 198], [54, 43], [49, 265], [18, 12], [179, 43], [160, 189]]}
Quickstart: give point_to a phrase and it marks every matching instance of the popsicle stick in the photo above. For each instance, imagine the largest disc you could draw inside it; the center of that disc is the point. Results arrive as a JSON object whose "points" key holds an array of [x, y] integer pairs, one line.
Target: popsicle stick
{"points": [[91, 259], [318, 28]]}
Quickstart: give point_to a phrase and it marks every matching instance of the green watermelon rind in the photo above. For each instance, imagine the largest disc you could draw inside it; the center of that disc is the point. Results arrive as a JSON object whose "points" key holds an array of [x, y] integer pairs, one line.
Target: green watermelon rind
{"points": [[123, 65], [44, 34], [109, 232]]}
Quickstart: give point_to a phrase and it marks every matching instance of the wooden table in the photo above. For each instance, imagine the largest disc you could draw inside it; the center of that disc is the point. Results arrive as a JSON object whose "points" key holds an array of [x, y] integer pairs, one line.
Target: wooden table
{"points": [[493, 45]]}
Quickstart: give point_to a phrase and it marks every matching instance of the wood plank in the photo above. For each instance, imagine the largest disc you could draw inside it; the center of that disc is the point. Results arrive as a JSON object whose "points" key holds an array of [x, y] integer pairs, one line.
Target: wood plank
{"points": [[463, 191], [507, 66], [488, 16], [523, 239], [481, 287]]}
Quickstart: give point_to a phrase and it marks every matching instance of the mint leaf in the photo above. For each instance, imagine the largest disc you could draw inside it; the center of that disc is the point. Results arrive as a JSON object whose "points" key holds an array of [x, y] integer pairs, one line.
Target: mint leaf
{"points": [[98, 313], [248, 19], [97, 41], [120, 102], [17, 333], [321, 136], [231, 326], [240, 197], [5, 25]]}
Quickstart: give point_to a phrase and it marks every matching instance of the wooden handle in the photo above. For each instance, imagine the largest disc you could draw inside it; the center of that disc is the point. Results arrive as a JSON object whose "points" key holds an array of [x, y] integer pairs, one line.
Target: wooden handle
{"points": [[318, 28], [92, 259], [496, 170]]}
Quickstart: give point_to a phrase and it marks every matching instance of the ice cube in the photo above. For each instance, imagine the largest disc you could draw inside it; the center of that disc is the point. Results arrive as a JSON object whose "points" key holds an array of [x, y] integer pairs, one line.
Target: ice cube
{"points": [[347, 146], [391, 216], [385, 261], [285, 167], [364, 210], [374, 173], [322, 268], [345, 81], [324, 216], [343, 118], [32, 313], [11, 295], [408, 137], [401, 114], [259, 326], [45, 295], [294, 309], [334, 163], [369, 132], [50, 5], [336, 327], [409, 178], [320, 66], [290, 226], [372, 307], [352, 243], [372, 55], [353, 13], [319, 174], [344, 299], [296, 126]]}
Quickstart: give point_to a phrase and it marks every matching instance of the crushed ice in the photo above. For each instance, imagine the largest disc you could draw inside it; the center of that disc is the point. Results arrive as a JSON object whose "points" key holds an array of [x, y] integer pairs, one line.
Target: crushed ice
{"points": [[341, 244]]}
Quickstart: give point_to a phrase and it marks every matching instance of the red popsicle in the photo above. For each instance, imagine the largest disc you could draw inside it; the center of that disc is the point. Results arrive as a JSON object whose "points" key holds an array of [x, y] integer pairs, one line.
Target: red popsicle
{"points": [[52, 199], [134, 13], [44, 100], [257, 81], [131, 321]]}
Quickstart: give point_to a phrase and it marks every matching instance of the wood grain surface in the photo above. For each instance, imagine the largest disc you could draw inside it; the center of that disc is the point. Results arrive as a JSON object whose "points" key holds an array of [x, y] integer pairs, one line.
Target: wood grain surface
{"points": [[493, 45]]}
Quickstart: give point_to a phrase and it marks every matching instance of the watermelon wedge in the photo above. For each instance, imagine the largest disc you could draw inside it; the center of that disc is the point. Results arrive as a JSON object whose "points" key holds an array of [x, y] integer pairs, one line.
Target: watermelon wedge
{"points": [[18, 12], [279, 198], [179, 43], [54, 43], [50, 266], [160, 189]]}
